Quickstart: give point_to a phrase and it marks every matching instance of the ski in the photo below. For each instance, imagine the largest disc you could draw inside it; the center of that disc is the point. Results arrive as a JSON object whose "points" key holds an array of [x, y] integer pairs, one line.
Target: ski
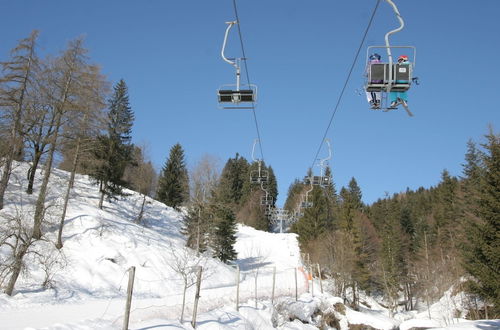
{"points": [[407, 109]]}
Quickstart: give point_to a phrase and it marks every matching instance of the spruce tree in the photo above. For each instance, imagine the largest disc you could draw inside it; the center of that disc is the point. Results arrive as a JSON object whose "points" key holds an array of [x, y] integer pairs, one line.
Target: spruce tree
{"points": [[234, 179], [482, 252], [173, 185], [315, 220], [224, 233], [114, 150]]}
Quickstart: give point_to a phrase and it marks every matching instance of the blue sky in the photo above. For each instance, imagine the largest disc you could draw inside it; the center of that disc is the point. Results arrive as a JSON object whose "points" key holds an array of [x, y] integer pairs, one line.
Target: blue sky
{"points": [[300, 52]]}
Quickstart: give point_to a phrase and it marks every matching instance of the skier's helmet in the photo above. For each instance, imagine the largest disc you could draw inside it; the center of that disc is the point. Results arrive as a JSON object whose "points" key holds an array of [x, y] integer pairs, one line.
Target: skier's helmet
{"points": [[403, 58], [374, 56]]}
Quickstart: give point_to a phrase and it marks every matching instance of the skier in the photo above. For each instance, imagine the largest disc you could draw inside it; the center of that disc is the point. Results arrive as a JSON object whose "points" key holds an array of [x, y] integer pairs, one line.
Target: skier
{"points": [[373, 97], [400, 97]]}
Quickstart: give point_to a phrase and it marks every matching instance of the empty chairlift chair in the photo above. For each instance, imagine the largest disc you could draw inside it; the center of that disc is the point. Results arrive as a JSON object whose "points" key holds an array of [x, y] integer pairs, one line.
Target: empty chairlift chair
{"points": [[235, 96]]}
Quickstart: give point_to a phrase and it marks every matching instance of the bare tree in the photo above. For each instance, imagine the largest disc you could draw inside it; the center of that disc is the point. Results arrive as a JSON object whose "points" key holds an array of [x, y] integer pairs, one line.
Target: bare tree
{"points": [[63, 86], [142, 176], [15, 85], [88, 115], [185, 263], [204, 179]]}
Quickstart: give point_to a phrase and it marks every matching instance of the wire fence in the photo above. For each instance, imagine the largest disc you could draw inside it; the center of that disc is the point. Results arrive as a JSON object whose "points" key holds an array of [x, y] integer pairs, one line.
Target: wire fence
{"points": [[163, 297]]}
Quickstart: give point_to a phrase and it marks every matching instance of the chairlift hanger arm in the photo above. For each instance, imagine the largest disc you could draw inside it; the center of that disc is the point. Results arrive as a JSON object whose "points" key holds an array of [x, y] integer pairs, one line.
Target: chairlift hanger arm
{"points": [[229, 26], [253, 151], [323, 160], [402, 24]]}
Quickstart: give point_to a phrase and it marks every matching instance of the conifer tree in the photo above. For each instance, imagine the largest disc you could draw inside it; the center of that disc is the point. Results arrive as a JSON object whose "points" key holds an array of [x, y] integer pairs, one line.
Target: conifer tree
{"points": [[391, 253], [482, 252], [315, 220], [234, 179], [472, 170], [224, 233], [114, 150], [197, 227], [173, 185], [350, 211]]}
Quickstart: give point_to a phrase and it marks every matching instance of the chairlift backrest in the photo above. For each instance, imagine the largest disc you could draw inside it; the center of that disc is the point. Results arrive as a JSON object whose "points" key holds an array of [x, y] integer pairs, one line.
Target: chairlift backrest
{"points": [[266, 200], [379, 80]]}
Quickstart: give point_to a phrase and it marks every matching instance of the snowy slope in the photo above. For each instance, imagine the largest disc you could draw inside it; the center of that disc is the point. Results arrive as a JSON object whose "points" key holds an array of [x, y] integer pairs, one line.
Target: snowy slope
{"points": [[89, 276]]}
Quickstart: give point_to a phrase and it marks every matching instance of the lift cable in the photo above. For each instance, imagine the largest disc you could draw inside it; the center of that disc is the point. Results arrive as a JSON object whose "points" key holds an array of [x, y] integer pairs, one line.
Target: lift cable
{"points": [[346, 82], [248, 78]]}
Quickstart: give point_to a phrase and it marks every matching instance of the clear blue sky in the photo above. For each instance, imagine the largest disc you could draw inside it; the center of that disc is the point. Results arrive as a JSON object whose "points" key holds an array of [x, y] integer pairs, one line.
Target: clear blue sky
{"points": [[168, 52]]}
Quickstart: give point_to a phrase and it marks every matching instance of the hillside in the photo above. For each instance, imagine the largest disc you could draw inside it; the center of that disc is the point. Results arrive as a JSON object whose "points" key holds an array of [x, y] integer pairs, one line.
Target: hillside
{"points": [[86, 281]]}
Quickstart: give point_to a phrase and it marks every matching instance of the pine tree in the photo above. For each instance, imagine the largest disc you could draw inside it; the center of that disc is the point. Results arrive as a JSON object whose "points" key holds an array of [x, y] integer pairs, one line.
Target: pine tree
{"points": [[196, 227], [114, 150], [224, 234], [350, 204], [472, 171], [315, 220], [391, 252], [482, 251], [173, 185], [350, 213], [234, 179]]}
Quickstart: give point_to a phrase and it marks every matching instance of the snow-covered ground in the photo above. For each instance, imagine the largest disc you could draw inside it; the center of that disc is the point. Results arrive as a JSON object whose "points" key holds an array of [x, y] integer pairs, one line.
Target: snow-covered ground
{"points": [[88, 277]]}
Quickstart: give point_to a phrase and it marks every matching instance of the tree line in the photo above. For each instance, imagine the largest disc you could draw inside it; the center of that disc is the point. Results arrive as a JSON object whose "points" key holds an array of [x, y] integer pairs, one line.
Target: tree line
{"points": [[413, 246], [60, 111]]}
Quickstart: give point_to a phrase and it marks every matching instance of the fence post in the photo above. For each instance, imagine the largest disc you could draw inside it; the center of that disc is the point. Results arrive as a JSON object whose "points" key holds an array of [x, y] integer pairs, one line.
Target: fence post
{"points": [[312, 279], [256, 295], [320, 281], [274, 281], [237, 287], [130, 289], [196, 297], [296, 292]]}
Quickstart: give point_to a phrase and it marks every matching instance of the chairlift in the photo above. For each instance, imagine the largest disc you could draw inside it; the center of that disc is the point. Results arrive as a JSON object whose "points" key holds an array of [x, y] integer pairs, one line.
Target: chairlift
{"points": [[258, 176], [266, 200], [386, 77], [235, 96]]}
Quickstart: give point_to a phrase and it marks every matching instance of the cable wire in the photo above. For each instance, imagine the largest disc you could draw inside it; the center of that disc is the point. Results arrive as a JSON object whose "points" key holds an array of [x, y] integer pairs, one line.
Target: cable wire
{"points": [[248, 77], [346, 82]]}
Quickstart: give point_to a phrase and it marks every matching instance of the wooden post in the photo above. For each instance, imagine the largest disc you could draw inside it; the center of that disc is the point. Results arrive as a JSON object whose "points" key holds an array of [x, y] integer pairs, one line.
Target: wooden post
{"points": [[130, 290], [296, 290], [237, 287], [312, 280], [196, 297], [274, 282], [256, 275], [320, 281]]}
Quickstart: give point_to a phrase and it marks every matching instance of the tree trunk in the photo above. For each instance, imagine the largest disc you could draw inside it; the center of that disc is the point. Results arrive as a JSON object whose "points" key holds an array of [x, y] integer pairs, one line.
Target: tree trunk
{"points": [[32, 172], [59, 243], [141, 212], [16, 268], [183, 301], [40, 202], [5, 178], [101, 199]]}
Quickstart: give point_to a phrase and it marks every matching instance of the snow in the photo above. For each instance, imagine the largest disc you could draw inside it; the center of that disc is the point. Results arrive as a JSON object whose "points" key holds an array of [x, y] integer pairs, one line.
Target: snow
{"points": [[89, 276]]}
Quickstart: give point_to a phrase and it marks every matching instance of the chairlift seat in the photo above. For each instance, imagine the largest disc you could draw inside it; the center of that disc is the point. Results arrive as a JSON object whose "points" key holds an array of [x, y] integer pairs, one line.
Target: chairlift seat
{"points": [[378, 78], [236, 96], [266, 200], [306, 205], [256, 177]]}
